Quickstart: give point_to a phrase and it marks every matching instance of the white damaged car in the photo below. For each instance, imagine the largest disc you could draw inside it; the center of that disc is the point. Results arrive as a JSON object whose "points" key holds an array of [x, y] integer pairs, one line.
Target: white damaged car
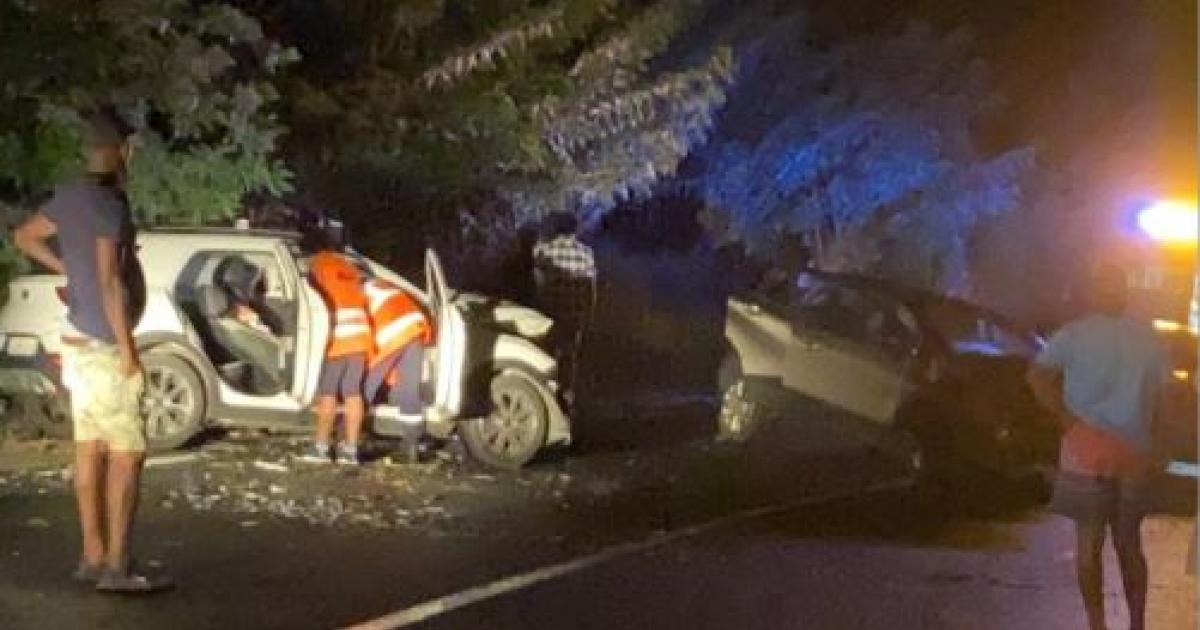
{"points": [[485, 376]]}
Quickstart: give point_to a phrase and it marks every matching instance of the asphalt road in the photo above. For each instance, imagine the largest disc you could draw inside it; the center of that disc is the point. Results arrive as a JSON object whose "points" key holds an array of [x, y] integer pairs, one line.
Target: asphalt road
{"points": [[679, 535], [852, 565]]}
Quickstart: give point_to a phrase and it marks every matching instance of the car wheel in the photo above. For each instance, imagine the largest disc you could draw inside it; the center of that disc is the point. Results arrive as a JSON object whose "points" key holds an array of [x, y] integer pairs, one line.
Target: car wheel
{"points": [[739, 416], [172, 402], [514, 429]]}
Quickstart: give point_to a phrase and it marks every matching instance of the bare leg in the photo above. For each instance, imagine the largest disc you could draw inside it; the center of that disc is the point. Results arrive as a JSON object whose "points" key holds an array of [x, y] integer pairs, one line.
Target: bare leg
{"points": [[89, 498], [124, 476], [326, 416], [1127, 540], [354, 410], [1089, 542]]}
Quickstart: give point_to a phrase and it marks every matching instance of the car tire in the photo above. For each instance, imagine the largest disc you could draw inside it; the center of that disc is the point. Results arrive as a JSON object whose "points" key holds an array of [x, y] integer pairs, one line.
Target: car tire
{"points": [[739, 416], [173, 401], [514, 429]]}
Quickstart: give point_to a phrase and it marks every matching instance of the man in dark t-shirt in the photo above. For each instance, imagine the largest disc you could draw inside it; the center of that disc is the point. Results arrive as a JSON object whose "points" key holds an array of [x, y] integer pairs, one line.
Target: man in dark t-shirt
{"points": [[79, 233], [91, 220]]}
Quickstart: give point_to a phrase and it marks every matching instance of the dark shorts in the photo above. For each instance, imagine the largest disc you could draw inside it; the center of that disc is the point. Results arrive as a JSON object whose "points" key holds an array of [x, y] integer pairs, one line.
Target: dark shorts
{"points": [[1088, 498], [343, 376], [406, 393]]}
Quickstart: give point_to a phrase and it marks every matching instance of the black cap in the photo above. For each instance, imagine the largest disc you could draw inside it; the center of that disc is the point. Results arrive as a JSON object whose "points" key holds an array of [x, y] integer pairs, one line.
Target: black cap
{"points": [[106, 128], [239, 277]]}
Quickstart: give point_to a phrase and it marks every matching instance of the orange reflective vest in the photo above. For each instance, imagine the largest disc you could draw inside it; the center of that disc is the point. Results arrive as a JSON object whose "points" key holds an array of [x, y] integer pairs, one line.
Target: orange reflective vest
{"points": [[340, 282], [396, 318]]}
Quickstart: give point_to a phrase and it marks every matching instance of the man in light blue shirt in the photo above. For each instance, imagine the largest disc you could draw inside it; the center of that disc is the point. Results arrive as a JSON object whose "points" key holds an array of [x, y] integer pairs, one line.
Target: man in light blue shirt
{"points": [[1102, 377], [1112, 368]]}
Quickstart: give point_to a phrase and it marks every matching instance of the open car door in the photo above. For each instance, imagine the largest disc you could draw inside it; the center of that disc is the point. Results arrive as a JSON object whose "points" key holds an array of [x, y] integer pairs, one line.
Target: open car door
{"points": [[447, 357], [312, 333]]}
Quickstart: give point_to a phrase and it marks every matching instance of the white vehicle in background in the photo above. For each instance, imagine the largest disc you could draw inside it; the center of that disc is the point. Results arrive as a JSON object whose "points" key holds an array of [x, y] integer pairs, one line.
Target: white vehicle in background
{"points": [[485, 376]]}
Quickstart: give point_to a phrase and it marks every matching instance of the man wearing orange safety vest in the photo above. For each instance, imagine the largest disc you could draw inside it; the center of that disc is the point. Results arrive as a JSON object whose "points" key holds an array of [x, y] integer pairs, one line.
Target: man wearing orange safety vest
{"points": [[350, 343], [401, 332]]}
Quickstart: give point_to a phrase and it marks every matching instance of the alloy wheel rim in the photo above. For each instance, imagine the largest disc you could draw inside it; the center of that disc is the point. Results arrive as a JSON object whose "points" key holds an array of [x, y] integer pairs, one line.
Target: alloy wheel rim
{"points": [[167, 403], [509, 429]]}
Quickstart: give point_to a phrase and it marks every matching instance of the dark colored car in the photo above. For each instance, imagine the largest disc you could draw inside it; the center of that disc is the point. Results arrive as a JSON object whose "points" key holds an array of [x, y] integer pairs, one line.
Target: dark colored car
{"points": [[1179, 432], [941, 380]]}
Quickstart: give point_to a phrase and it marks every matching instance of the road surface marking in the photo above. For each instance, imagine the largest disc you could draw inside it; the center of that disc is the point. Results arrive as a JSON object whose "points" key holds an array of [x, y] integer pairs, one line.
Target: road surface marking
{"points": [[447, 603]]}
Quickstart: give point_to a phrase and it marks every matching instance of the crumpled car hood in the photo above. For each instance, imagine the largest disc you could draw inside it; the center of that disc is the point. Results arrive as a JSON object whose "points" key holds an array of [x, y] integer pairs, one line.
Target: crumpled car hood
{"points": [[505, 315]]}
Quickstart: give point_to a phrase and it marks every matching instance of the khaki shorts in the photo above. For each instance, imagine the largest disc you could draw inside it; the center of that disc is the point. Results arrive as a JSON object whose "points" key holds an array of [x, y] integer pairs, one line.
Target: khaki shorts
{"points": [[105, 405]]}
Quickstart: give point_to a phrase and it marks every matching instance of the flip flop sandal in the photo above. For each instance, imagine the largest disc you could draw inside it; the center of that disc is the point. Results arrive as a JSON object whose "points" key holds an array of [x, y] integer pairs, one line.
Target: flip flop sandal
{"points": [[87, 573], [132, 582]]}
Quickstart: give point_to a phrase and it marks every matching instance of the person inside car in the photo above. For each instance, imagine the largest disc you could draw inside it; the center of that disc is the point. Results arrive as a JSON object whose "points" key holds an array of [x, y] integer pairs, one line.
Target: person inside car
{"points": [[245, 284]]}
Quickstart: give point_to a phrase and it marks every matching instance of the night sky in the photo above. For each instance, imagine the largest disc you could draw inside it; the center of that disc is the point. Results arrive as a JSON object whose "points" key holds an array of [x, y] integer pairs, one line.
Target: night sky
{"points": [[1107, 93]]}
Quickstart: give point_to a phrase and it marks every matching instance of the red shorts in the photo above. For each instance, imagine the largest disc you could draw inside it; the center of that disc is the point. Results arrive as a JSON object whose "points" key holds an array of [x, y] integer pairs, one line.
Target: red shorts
{"points": [[1091, 451], [1100, 476]]}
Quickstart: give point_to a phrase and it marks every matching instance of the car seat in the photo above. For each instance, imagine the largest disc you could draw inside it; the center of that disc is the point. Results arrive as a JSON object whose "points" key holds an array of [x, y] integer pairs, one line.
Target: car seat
{"points": [[258, 358]]}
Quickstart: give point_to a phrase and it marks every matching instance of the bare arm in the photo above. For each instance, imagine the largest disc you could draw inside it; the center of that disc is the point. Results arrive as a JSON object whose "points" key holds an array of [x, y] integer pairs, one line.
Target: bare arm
{"points": [[1046, 383], [112, 294], [30, 237]]}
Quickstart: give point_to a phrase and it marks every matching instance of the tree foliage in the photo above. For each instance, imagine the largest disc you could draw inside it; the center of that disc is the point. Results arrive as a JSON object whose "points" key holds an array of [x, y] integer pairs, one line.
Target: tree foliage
{"points": [[869, 141], [547, 105], [196, 79]]}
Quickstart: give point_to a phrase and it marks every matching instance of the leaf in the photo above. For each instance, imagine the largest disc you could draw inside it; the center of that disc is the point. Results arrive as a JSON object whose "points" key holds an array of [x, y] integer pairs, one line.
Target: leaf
{"points": [[278, 57], [246, 99], [212, 64], [226, 21]]}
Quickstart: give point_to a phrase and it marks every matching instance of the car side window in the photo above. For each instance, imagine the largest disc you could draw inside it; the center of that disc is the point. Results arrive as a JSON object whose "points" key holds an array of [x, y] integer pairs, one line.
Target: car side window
{"points": [[892, 328], [828, 309], [202, 266], [773, 290], [275, 287], [855, 315]]}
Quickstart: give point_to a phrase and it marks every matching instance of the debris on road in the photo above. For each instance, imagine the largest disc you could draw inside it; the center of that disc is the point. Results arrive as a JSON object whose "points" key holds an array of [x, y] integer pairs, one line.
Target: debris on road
{"points": [[37, 521], [171, 460], [270, 466], [246, 480], [251, 479]]}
